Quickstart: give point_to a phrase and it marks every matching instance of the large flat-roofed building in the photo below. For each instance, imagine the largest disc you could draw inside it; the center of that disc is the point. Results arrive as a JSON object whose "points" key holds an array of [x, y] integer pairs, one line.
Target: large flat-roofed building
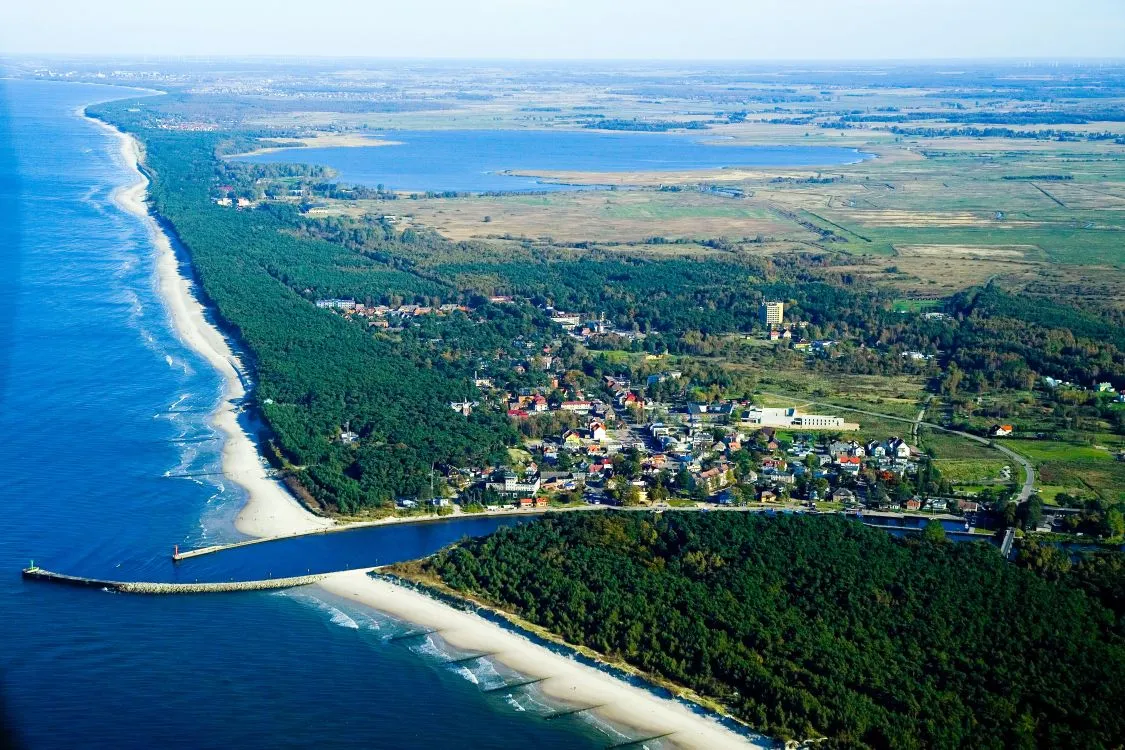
{"points": [[772, 313], [791, 417]]}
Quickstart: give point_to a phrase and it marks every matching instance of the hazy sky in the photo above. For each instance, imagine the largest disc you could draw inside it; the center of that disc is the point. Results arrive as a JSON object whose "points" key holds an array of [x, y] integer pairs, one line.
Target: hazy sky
{"points": [[556, 29]]}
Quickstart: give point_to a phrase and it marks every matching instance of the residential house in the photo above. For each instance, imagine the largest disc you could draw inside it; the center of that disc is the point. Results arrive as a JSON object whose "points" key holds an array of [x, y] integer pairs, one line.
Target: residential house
{"points": [[714, 479], [898, 448]]}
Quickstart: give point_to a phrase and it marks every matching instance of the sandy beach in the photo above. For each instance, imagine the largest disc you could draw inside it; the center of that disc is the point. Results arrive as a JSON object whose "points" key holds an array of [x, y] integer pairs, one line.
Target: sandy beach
{"points": [[323, 140], [270, 509], [567, 680]]}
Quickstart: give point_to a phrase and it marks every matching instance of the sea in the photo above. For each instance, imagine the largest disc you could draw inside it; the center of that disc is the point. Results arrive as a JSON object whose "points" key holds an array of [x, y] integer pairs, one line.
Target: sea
{"points": [[478, 161], [108, 461]]}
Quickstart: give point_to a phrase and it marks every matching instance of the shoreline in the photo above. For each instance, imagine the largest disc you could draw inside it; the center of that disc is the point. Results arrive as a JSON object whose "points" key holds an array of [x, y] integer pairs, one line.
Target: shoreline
{"points": [[562, 679], [339, 140], [270, 510]]}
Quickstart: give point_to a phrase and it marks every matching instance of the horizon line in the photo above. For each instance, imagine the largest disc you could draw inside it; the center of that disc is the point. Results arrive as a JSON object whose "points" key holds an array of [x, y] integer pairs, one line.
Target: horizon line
{"points": [[277, 57]]}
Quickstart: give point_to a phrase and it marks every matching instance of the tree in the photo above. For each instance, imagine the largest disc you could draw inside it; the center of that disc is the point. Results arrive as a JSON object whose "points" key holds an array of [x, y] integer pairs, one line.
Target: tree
{"points": [[1032, 512], [934, 532], [1114, 522], [631, 494]]}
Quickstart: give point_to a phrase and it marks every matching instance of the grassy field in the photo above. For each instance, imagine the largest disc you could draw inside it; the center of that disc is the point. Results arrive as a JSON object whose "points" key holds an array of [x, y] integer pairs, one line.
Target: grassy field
{"points": [[898, 396], [973, 471], [942, 213], [914, 305], [947, 446], [1073, 468], [599, 216]]}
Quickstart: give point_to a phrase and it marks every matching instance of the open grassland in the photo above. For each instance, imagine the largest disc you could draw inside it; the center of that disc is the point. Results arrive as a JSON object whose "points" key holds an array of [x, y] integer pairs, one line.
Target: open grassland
{"points": [[947, 446], [1075, 468], [927, 224], [973, 471], [599, 216], [898, 396]]}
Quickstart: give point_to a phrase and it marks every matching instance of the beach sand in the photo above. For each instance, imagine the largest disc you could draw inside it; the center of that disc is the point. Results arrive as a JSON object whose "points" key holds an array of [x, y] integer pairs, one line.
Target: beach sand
{"points": [[567, 681], [270, 509]]}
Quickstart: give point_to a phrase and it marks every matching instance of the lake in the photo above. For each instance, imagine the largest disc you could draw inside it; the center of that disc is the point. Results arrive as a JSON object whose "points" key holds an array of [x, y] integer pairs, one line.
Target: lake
{"points": [[473, 160]]}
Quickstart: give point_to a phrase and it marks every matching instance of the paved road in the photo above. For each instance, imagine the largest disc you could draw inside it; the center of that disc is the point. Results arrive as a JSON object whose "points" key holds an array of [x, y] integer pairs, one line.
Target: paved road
{"points": [[1028, 470]]}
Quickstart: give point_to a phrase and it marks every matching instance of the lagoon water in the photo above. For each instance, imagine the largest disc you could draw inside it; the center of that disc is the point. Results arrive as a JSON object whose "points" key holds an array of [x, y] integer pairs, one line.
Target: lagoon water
{"points": [[474, 160], [98, 402]]}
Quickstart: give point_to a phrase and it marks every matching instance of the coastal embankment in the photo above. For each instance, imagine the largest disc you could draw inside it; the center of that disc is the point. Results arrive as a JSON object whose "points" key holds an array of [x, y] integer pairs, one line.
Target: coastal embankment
{"points": [[270, 510], [154, 587], [558, 676]]}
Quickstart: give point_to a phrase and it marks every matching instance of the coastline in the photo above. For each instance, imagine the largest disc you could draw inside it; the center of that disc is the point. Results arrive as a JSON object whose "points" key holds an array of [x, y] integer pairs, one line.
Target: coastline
{"points": [[270, 509], [337, 140], [562, 679]]}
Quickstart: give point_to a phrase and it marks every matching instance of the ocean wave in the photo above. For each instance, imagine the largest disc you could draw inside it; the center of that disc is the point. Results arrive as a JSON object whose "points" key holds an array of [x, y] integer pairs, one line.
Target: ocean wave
{"points": [[606, 728], [485, 674], [427, 647], [335, 616]]}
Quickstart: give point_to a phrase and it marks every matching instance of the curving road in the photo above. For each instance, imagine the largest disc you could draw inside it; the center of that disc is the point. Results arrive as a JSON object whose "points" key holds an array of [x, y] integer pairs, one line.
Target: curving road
{"points": [[1028, 470]]}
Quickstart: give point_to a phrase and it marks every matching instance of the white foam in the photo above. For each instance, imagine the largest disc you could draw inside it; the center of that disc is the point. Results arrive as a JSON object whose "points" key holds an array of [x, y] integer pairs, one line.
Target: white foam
{"points": [[341, 619], [335, 616], [467, 674], [427, 647]]}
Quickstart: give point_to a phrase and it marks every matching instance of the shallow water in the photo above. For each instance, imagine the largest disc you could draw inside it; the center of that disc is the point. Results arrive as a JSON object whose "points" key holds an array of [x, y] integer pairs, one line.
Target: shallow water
{"points": [[473, 160]]}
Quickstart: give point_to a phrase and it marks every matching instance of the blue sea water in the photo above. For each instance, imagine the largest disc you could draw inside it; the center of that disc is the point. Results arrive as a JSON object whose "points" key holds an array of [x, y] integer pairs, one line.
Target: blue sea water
{"points": [[474, 160], [98, 402]]}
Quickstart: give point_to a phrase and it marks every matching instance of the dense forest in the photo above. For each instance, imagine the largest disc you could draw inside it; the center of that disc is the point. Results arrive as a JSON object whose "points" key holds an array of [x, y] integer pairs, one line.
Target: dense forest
{"points": [[1005, 340], [807, 626], [1099, 573]]}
